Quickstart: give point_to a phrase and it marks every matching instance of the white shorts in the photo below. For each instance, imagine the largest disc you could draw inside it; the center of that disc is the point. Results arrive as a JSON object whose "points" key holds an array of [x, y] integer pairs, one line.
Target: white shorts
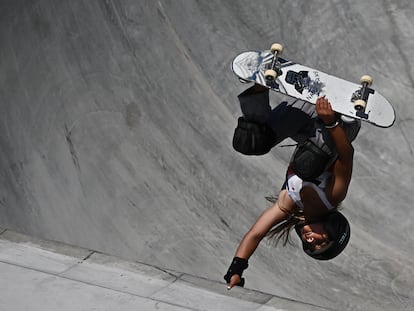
{"points": [[294, 185]]}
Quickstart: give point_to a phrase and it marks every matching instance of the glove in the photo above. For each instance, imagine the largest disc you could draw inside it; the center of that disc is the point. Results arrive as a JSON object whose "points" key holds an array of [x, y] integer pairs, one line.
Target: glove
{"points": [[237, 266]]}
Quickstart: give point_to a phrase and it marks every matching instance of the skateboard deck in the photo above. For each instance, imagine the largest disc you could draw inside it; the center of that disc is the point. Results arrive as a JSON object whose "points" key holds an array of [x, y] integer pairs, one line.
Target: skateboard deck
{"points": [[354, 100]]}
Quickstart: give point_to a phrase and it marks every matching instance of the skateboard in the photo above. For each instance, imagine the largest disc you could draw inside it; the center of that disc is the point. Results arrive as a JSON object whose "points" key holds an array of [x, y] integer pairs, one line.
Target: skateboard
{"points": [[359, 101]]}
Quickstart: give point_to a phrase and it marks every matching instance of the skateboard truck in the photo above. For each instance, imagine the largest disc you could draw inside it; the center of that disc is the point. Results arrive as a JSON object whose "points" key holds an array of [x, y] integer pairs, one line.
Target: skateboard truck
{"points": [[360, 97], [274, 71]]}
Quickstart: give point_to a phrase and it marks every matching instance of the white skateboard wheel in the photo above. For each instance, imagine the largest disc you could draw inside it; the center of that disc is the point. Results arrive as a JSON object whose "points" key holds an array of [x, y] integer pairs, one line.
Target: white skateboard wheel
{"points": [[276, 47], [366, 79], [360, 104], [270, 74]]}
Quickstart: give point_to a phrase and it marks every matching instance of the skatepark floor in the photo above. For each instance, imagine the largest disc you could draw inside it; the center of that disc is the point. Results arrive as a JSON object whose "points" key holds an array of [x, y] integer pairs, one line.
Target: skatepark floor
{"points": [[44, 275]]}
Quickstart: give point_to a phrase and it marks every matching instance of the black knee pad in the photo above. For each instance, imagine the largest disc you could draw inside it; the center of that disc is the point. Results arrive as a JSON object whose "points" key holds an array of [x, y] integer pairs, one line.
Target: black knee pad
{"points": [[351, 127], [252, 138]]}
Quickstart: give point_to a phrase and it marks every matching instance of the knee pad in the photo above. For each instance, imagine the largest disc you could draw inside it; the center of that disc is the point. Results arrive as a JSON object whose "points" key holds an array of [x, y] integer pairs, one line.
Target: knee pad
{"points": [[251, 138], [351, 127]]}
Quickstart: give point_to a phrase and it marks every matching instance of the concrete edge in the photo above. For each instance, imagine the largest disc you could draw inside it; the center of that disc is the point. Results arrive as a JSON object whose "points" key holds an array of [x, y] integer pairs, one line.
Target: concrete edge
{"points": [[83, 255]]}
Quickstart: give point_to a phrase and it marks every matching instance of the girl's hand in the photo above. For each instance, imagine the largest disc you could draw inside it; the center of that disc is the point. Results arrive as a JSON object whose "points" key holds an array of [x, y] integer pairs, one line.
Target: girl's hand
{"points": [[324, 110], [235, 279]]}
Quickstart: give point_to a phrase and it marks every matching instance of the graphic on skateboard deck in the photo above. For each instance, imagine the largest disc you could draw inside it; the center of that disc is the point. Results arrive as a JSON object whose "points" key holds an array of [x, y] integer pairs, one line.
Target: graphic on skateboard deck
{"points": [[354, 100]]}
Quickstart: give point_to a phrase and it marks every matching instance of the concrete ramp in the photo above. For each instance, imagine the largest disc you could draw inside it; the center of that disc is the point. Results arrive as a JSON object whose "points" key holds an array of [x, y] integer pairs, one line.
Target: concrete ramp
{"points": [[116, 120], [54, 276]]}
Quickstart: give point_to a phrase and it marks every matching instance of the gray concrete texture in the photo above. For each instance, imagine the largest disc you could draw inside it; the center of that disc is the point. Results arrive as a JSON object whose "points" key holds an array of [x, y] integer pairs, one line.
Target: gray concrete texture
{"points": [[116, 127], [48, 276]]}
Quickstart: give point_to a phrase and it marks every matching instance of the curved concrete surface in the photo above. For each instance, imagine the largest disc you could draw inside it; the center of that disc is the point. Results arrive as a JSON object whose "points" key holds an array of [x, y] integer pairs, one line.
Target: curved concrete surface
{"points": [[116, 126], [48, 276]]}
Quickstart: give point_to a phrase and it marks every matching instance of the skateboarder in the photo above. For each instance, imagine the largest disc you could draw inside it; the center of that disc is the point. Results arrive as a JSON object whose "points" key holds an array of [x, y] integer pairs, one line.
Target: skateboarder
{"points": [[317, 178]]}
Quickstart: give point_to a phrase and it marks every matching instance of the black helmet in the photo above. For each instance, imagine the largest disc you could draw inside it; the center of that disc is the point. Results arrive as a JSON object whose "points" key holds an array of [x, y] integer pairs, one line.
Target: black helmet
{"points": [[339, 232]]}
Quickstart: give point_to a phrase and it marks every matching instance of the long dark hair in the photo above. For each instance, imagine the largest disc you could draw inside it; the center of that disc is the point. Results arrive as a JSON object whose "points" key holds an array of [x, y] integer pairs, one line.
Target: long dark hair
{"points": [[281, 231]]}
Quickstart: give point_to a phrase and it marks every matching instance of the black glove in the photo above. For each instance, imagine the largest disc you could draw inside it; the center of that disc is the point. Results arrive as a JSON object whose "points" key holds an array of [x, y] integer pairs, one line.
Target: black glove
{"points": [[238, 265]]}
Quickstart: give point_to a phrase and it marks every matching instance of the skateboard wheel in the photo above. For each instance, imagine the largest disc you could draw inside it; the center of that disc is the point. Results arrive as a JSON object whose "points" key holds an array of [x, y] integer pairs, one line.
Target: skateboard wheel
{"points": [[360, 104], [276, 47], [270, 75], [366, 79]]}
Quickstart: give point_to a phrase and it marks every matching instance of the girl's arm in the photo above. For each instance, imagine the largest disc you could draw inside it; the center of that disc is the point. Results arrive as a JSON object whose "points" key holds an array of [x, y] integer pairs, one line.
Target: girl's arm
{"points": [[271, 217], [343, 165]]}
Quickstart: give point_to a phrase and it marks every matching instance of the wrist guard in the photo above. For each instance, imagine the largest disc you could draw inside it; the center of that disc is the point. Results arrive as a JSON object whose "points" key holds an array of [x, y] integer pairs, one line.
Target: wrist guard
{"points": [[238, 265]]}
